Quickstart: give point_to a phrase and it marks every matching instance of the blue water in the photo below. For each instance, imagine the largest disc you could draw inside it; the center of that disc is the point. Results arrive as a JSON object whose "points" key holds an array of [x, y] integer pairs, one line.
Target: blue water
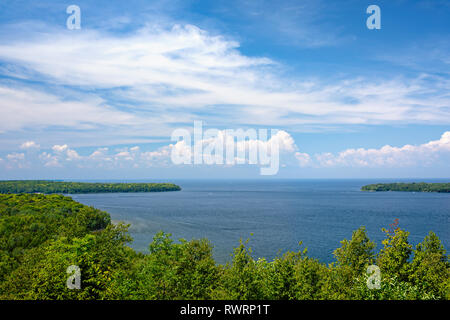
{"points": [[279, 214]]}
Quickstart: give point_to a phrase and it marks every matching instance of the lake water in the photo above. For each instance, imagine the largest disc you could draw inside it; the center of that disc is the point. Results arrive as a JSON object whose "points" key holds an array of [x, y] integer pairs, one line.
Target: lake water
{"points": [[279, 214]]}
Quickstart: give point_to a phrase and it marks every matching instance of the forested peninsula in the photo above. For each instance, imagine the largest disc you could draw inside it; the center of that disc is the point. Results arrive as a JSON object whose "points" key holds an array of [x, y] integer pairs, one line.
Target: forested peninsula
{"points": [[411, 187], [64, 187]]}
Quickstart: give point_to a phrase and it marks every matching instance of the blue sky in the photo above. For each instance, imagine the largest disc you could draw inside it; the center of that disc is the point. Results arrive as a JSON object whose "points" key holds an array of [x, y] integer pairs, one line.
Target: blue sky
{"points": [[102, 101]]}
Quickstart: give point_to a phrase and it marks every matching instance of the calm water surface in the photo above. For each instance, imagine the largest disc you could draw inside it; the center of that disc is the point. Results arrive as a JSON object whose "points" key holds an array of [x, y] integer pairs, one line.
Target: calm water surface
{"points": [[279, 214]]}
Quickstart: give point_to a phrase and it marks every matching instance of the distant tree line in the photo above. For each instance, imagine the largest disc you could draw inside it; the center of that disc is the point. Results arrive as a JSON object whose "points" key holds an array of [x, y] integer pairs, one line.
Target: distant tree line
{"points": [[412, 187], [42, 235], [49, 187]]}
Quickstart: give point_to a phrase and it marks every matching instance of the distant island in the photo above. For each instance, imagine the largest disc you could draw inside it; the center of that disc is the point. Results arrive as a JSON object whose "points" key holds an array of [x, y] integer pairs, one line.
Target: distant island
{"points": [[49, 187], [411, 187]]}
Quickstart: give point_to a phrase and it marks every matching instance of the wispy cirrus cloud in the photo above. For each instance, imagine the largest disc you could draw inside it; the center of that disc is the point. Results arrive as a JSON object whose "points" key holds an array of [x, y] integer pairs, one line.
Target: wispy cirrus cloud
{"points": [[159, 74], [24, 107]]}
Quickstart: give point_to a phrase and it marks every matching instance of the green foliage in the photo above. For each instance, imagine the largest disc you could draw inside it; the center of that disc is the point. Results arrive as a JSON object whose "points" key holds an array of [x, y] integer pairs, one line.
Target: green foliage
{"points": [[352, 260], [49, 187], [411, 187], [391, 289], [430, 268], [311, 278], [42, 273], [42, 235], [242, 279], [281, 277], [393, 257], [183, 270], [357, 253], [29, 220]]}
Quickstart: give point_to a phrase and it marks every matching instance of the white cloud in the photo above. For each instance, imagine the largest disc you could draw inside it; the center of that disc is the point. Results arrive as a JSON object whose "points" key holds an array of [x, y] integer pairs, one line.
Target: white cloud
{"points": [[72, 155], [124, 155], [23, 107], [61, 154], [285, 141], [303, 159], [427, 154], [170, 74], [16, 156], [386, 156], [242, 147], [183, 57], [16, 160], [100, 154], [30, 145], [50, 160], [59, 149]]}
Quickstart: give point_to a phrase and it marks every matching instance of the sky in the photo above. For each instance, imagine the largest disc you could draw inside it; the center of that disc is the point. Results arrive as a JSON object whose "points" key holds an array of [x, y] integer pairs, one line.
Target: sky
{"points": [[102, 101]]}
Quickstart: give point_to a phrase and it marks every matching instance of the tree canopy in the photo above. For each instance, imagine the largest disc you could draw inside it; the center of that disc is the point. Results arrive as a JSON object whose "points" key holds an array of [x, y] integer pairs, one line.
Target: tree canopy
{"points": [[411, 187], [49, 187], [42, 235]]}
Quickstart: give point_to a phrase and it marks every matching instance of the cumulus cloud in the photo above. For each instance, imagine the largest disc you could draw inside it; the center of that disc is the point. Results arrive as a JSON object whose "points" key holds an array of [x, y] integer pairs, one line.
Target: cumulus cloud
{"points": [[232, 147], [427, 154], [50, 160], [125, 155], [59, 149], [63, 155], [387, 156], [17, 160], [72, 155], [303, 159], [30, 145]]}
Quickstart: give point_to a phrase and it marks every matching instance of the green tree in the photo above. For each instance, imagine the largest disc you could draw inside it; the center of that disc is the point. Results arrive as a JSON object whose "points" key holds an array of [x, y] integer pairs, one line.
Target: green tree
{"points": [[183, 270], [352, 260], [243, 279], [430, 269], [393, 257], [42, 272], [356, 254], [310, 278], [279, 276]]}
